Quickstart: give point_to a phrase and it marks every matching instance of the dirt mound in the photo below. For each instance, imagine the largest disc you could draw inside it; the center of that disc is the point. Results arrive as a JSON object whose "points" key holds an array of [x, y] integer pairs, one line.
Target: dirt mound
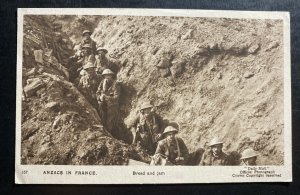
{"points": [[215, 77]]}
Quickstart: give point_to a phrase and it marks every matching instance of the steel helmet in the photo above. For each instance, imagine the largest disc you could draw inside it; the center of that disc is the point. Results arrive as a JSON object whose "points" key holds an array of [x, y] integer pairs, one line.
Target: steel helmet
{"points": [[107, 72], [248, 153], [87, 46], [89, 65], [215, 141], [86, 31], [102, 49], [146, 105], [169, 129]]}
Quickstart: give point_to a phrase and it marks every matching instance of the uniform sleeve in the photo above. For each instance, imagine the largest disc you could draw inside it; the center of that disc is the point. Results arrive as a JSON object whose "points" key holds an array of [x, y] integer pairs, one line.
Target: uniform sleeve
{"points": [[117, 91], [99, 90], [183, 149], [159, 149], [202, 163], [226, 159], [159, 123], [134, 122], [94, 47]]}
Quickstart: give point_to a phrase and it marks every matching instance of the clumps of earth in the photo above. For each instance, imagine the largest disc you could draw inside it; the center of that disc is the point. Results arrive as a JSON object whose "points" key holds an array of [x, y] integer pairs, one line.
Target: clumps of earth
{"points": [[213, 76]]}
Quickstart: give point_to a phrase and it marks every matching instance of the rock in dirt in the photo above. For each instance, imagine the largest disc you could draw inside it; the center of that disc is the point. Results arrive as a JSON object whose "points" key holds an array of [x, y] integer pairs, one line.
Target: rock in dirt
{"points": [[188, 35], [254, 48], [165, 72], [33, 86], [176, 68], [202, 51], [272, 45], [248, 75], [163, 63], [52, 105]]}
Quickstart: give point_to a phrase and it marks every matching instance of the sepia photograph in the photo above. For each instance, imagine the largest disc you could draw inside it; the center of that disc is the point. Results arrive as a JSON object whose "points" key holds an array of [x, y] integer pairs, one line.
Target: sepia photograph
{"points": [[151, 91]]}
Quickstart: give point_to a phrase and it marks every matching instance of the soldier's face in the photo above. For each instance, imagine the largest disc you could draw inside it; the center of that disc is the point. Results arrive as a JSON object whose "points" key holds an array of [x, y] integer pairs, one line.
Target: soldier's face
{"points": [[147, 111], [85, 51], [86, 35], [170, 136], [101, 53], [90, 71], [217, 149], [108, 77], [250, 161]]}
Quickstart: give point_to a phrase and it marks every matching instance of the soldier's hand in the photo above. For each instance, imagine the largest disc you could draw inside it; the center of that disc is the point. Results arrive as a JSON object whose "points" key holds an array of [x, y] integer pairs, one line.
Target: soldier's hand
{"points": [[179, 159], [157, 137], [102, 97]]}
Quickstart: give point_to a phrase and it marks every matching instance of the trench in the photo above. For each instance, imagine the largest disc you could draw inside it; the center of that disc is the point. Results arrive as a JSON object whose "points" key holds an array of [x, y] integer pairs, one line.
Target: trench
{"points": [[64, 65]]}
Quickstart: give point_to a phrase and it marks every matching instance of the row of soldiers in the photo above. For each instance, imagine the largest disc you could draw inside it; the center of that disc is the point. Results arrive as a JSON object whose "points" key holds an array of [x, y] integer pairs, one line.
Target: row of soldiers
{"points": [[97, 81], [95, 77], [169, 149]]}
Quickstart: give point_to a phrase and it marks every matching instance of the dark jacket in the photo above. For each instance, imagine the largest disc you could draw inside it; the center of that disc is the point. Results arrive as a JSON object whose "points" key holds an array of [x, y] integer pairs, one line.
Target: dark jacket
{"points": [[173, 150], [147, 130], [112, 92], [89, 41], [208, 159]]}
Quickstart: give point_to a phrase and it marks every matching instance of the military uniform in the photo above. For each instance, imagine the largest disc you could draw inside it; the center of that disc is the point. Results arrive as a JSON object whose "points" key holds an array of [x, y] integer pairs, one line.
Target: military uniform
{"points": [[105, 63], [88, 58], [208, 159], [87, 85], [147, 131], [89, 41], [109, 107], [173, 150]]}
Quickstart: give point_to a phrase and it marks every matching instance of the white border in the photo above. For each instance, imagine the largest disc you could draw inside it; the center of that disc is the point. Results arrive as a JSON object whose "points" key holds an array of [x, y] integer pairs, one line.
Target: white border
{"points": [[178, 174]]}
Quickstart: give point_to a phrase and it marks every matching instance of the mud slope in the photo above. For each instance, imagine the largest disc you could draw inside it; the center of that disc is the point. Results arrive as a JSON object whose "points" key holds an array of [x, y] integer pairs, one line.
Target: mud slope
{"points": [[226, 81]]}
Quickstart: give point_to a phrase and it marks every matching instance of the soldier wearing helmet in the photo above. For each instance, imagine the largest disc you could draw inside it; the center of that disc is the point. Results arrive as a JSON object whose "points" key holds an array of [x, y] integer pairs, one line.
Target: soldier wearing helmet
{"points": [[103, 62], [88, 82], [86, 39], [87, 54], [171, 149], [249, 157], [215, 155], [83, 56], [146, 128], [108, 94]]}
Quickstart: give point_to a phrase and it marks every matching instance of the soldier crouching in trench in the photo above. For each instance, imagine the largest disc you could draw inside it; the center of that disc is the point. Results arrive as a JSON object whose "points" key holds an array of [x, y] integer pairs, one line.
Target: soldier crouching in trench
{"points": [[173, 151], [215, 155], [146, 128], [108, 94], [249, 157]]}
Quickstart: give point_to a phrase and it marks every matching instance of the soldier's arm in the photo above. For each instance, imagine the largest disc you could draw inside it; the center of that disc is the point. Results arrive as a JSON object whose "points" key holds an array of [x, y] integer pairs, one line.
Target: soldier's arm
{"points": [[159, 149], [184, 150], [117, 91], [134, 122], [202, 163], [99, 90], [226, 159], [159, 123]]}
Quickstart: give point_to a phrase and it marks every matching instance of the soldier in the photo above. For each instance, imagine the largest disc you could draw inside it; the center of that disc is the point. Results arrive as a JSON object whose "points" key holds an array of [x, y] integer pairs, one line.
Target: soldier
{"points": [[146, 128], [108, 94], [102, 62], [249, 157], [215, 156], [81, 57], [88, 83], [86, 39], [87, 54], [171, 150]]}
